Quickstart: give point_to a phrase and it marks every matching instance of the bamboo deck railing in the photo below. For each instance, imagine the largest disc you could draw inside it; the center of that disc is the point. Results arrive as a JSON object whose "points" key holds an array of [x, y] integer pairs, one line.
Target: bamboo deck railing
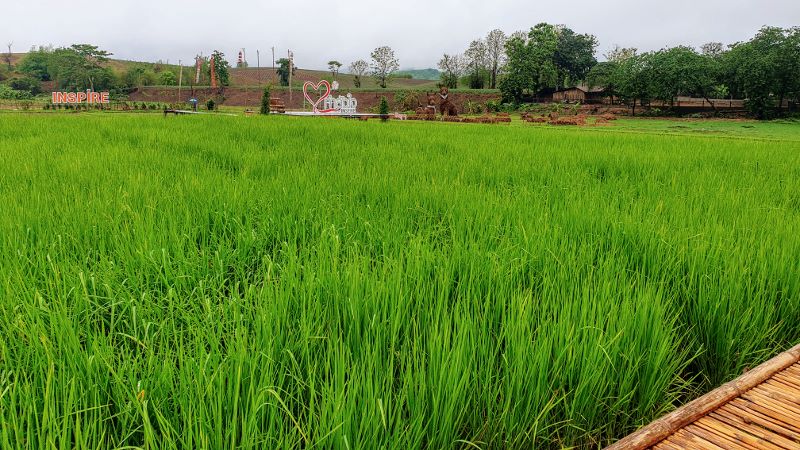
{"points": [[760, 409]]}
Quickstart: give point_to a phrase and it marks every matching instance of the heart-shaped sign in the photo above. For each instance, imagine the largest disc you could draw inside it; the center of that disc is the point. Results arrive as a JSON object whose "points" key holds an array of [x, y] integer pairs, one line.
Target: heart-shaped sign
{"points": [[317, 87]]}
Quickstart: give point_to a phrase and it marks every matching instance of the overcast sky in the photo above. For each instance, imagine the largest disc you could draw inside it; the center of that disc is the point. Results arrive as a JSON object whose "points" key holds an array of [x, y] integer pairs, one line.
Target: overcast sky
{"points": [[419, 30]]}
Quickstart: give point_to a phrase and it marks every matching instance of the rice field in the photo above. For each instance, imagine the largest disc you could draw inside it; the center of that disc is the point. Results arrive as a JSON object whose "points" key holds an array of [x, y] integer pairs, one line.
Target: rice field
{"points": [[259, 283]]}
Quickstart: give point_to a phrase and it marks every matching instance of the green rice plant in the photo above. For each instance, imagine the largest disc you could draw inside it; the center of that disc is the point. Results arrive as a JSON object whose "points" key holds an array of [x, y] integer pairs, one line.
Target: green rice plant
{"points": [[225, 282]]}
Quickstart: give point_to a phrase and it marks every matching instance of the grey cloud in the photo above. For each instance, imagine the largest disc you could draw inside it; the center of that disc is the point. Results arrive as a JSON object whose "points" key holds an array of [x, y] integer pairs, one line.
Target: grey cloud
{"points": [[419, 31]]}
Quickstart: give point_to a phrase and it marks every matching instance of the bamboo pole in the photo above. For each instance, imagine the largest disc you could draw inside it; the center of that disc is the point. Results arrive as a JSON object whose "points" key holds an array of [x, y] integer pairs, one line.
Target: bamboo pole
{"points": [[664, 427]]}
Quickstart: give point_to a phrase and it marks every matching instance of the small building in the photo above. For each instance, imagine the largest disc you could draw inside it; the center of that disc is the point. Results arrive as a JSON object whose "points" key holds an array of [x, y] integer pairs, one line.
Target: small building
{"points": [[581, 93]]}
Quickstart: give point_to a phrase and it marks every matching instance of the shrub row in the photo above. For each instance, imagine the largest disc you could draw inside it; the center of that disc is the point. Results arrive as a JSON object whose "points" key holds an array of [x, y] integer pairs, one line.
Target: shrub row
{"points": [[119, 106], [457, 119]]}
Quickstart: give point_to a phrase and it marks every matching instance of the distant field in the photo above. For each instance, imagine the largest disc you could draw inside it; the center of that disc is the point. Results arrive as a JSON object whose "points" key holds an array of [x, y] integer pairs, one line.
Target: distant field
{"points": [[275, 282], [422, 74]]}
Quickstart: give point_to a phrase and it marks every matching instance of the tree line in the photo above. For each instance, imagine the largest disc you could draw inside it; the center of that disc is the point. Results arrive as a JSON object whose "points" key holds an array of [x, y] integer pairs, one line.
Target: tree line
{"points": [[528, 65], [479, 66], [83, 66], [523, 66], [382, 67], [761, 71]]}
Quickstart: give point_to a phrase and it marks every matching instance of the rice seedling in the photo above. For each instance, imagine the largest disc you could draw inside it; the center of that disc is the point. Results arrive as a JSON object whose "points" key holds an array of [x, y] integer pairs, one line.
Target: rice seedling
{"points": [[229, 282]]}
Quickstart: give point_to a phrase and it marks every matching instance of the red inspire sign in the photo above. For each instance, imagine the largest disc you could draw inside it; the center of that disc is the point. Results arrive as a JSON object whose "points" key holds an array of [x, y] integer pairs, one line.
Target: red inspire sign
{"points": [[80, 97]]}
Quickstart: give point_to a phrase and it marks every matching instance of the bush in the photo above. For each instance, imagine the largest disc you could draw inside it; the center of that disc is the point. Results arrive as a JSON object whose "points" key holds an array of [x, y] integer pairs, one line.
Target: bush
{"points": [[210, 104], [265, 97], [383, 109], [406, 100], [27, 84], [168, 78], [493, 106], [476, 80], [6, 93], [652, 112], [471, 107]]}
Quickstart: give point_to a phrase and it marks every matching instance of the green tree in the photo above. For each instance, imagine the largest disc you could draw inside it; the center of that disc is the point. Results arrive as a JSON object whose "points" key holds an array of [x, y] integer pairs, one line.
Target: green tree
{"points": [[531, 64], [712, 49], [574, 56], [283, 71], [517, 78], [36, 63], [383, 109], [80, 67], [764, 70], [619, 54], [139, 75], [606, 75], [221, 67], [682, 71], [334, 67], [791, 55], [265, 97], [634, 80], [167, 78], [6, 93], [27, 84]]}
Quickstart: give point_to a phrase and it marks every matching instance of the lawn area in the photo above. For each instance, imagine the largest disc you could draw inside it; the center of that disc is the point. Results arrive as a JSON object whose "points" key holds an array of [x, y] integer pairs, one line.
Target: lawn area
{"points": [[276, 282], [783, 130]]}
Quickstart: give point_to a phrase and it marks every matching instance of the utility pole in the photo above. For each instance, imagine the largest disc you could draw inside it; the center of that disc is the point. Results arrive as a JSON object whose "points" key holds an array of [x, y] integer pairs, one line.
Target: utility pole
{"points": [[258, 66], [291, 66], [273, 58], [180, 80]]}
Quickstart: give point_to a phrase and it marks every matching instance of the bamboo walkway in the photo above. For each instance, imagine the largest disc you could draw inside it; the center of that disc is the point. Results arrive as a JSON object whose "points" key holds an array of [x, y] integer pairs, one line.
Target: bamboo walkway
{"points": [[759, 410]]}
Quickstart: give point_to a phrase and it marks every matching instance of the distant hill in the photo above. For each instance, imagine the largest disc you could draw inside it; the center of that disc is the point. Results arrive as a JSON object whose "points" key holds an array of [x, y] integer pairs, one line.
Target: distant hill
{"points": [[117, 65], [421, 74], [252, 77]]}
